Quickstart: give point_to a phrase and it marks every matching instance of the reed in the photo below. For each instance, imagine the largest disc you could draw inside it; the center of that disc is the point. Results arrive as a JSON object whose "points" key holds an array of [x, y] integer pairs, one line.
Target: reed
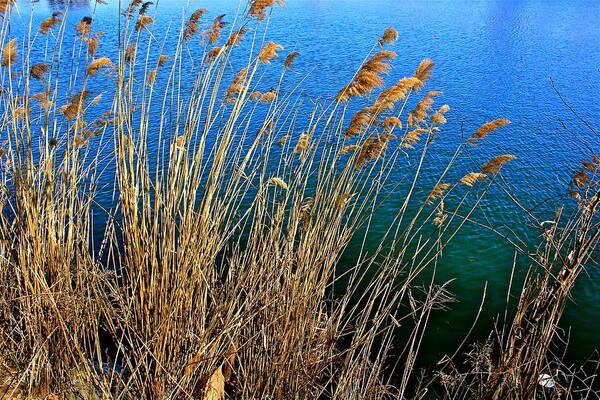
{"points": [[523, 356], [218, 272]]}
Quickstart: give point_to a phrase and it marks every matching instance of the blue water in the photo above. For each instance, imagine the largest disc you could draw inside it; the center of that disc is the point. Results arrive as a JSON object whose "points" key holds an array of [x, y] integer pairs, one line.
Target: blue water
{"points": [[495, 58]]}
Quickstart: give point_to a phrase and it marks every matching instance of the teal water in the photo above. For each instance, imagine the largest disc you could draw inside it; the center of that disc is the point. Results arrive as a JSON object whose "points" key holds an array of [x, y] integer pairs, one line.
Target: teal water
{"points": [[495, 58]]}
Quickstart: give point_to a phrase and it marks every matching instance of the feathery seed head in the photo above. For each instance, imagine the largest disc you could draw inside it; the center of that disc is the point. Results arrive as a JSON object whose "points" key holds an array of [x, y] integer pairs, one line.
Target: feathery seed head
{"points": [[98, 63], [84, 27], [269, 52], [471, 178], [48, 23], [258, 7], [142, 22], [161, 60], [368, 76], [389, 36], [9, 53], [423, 72], [38, 71], [214, 33], [289, 60], [486, 128], [494, 166], [437, 191]]}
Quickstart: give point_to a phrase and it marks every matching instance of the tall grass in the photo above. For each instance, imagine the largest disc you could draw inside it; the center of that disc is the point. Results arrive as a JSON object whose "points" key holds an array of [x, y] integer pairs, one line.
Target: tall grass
{"points": [[523, 358], [217, 270]]}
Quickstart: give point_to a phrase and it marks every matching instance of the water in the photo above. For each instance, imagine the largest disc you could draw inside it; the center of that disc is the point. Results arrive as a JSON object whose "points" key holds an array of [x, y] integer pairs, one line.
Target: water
{"points": [[495, 58]]}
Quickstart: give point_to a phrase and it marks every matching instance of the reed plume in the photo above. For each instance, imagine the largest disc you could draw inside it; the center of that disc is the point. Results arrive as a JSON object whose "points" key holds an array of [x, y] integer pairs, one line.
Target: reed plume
{"points": [[368, 76], [412, 137], [422, 73], [130, 53], [142, 22], [9, 53], [289, 60], [591, 166], [437, 191], [98, 63], [96, 100], [348, 148], [389, 36], [417, 115], [236, 85], [84, 27], [235, 38], [471, 178], [581, 178], [5, 6], [48, 23], [214, 53], [38, 71], [152, 76], [144, 7], [302, 144], [279, 182], [258, 7], [439, 117], [92, 42], [191, 25], [495, 164], [132, 8], [40, 96], [360, 120], [266, 129], [214, 33], [486, 128], [45, 104], [79, 141], [372, 148], [269, 52], [440, 215], [75, 105], [396, 92], [391, 123], [161, 60], [379, 63], [281, 141], [269, 96]]}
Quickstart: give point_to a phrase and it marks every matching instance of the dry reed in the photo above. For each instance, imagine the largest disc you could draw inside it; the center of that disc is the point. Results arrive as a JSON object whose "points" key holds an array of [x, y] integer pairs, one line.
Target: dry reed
{"points": [[216, 273]]}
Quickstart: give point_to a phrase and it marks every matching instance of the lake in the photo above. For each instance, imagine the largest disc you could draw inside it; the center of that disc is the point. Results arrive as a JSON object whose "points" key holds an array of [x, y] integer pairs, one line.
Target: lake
{"points": [[494, 58]]}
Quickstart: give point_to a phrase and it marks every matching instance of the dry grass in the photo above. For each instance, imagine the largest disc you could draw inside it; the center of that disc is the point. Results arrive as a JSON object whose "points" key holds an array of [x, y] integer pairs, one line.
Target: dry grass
{"points": [[216, 272], [523, 358]]}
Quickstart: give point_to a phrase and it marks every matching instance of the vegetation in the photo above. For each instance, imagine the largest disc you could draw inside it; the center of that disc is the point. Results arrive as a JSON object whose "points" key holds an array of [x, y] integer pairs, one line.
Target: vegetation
{"points": [[217, 271]]}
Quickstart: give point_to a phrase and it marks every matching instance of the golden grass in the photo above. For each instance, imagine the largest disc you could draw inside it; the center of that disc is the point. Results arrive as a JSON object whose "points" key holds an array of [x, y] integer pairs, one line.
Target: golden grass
{"points": [[9, 53], [258, 7], [390, 35], [268, 52], [289, 60], [216, 271], [368, 76], [38, 71], [97, 64], [486, 128], [49, 23], [495, 164]]}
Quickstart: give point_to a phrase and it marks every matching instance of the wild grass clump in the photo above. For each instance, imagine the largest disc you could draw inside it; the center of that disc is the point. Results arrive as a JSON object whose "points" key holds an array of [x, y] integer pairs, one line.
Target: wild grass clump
{"points": [[216, 273], [523, 357]]}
